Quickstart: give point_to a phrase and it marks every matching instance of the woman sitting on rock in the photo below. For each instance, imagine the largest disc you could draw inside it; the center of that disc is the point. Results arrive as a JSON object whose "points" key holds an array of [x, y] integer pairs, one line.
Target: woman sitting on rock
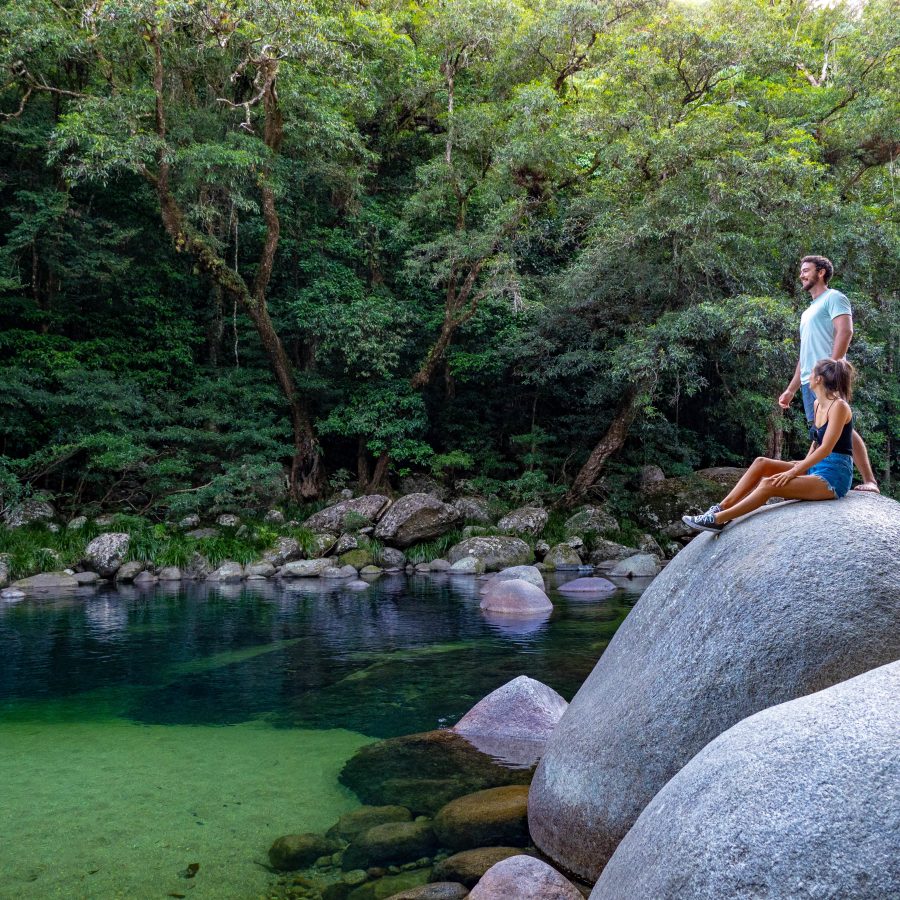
{"points": [[825, 474]]}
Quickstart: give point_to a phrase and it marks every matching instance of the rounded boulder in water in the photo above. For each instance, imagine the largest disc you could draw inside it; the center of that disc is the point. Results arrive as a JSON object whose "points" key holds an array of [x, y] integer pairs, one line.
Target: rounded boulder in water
{"points": [[587, 586], [516, 597]]}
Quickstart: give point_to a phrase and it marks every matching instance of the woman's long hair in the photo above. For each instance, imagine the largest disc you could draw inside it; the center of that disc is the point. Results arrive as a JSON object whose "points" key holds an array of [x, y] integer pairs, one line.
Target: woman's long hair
{"points": [[837, 376]]}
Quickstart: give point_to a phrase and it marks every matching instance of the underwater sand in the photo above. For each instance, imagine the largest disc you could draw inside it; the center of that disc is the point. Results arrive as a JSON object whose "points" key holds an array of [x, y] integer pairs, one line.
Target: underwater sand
{"points": [[114, 809]]}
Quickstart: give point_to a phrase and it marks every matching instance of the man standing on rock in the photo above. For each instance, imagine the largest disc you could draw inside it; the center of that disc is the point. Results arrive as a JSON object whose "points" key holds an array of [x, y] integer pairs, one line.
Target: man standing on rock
{"points": [[826, 329]]}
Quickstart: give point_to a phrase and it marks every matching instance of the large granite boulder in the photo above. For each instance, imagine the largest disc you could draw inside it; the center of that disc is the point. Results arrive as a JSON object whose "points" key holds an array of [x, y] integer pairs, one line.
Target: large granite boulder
{"points": [[516, 597], [531, 574], [737, 622], [799, 800], [35, 509], [524, 878], [333, 518], [414, 518], [525, 520], [423, 772], [496, 817], [495, 551], [106, 553]]}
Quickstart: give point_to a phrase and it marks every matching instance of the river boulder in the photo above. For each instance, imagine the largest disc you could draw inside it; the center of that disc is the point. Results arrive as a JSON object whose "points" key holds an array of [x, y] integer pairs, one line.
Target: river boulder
{"points": [[286, 549], [495, 551], [562, 556], [35, 509], [296, 851], [529, 520], [473, 510], [524, 878], [522, 708], [365, 817], [640, 565], [737, 622], [392, 842], [590, 520], [531, 574], [340, 516], [415, 518], [590, 585], [106, 553], [497, 817], [805, 795], [468, 866], [515, 597], [46, 581], [305, 568], [228, 572]]}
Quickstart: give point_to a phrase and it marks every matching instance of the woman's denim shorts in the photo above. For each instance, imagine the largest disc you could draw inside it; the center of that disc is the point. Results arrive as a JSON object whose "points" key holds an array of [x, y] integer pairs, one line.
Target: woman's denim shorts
{"points": [[837, 470]]}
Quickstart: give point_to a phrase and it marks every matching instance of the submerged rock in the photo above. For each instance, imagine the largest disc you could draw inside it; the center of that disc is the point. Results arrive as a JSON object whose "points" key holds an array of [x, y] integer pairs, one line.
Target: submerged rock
{"points": [[495, 551], [469, 866], [392, 842], [737, 622], [516, 597], [423, 772], [296, 851], [46, 581], [12, 594], [804, 795], [437, 890], [587, 586], [106, 553], [365, 817], [525, 878], [494, 817], [86, 578]]}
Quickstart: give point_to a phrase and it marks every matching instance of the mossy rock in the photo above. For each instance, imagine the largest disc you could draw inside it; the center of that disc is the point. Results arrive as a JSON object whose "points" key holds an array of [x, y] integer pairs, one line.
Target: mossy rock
{"points": [[296, 851], [358, 558], [390, 885]]}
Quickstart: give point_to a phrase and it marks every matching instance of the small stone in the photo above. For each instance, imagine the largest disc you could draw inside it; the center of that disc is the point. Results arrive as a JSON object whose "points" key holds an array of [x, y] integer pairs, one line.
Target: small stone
{"points": [[274, 517], [189, 522], [11, 594], [129, 571], [260, 570], [296, 851], [228, 520], [355, 877], [87, 578], [53, 528], [228, 572], [305, 568], [439, 565], [468, 565], [370, 570], [77, 523], [390, 558]]}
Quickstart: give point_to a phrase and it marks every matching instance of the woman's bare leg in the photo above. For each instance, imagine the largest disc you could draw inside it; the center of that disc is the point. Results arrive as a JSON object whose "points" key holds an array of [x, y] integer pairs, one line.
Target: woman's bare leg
{"points": [[761, 467], [803, 487]]}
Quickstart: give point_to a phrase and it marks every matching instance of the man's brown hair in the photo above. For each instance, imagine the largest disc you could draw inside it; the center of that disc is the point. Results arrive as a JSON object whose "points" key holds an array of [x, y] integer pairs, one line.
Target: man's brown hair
{"points": [[820, 262]]}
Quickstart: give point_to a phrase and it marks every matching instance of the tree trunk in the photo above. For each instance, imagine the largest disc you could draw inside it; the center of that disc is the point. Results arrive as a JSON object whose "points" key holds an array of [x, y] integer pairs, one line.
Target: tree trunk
{"points": [[362, 464], [774, 433], [609, 444], [379, 482]]}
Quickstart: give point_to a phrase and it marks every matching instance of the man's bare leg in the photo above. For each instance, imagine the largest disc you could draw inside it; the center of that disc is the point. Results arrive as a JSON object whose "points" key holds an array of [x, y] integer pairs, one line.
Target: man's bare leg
{"points": [[861, 459]]}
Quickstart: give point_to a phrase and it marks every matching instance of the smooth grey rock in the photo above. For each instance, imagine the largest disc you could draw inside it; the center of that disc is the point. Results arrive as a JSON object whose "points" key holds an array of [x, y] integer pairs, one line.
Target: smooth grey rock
{"points": [[524, 878], [86, 578], [357, 585], [170, 573], [129, 571], [423, 568], [587, 586], [332, 518], [228, 520], [145, 578], [77, 523], [472, 510], [189, 522], [106, 553], [516, 597], [370, 570], [735, 623], [228, 571], [340, 572], [260, 570], [286, 550], [440, 565], [12, 595], [495, 551], [590, 519], [274, 517], [468, 565], [562, 556], [390, 558], [799, 800], [641, 565], [522, 708], [415, 518], [46, 581], [35, 509], [305, 568], [525, 520], [526, 573]]}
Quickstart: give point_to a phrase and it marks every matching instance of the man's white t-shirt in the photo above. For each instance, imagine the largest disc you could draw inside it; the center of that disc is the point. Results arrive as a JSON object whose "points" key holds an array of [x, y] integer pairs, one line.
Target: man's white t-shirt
{"points": [[817, 330]]}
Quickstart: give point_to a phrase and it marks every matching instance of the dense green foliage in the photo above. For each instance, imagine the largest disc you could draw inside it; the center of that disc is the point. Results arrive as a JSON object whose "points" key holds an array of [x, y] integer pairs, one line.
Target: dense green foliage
{"points": [[481, 230]]}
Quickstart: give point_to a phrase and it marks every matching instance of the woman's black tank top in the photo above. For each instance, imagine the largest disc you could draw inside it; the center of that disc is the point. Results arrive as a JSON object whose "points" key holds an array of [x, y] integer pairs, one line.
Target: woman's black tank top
{"points": [[844, 442]]}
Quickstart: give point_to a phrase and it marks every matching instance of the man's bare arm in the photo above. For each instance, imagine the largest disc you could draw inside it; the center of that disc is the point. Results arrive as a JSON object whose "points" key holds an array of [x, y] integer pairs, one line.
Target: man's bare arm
{"points": [[784, 401], [843, 334]]}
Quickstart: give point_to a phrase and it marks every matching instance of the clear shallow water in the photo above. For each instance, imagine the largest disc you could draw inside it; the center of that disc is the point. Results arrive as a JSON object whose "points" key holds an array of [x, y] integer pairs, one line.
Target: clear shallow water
{"points": [[142, 731]]}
